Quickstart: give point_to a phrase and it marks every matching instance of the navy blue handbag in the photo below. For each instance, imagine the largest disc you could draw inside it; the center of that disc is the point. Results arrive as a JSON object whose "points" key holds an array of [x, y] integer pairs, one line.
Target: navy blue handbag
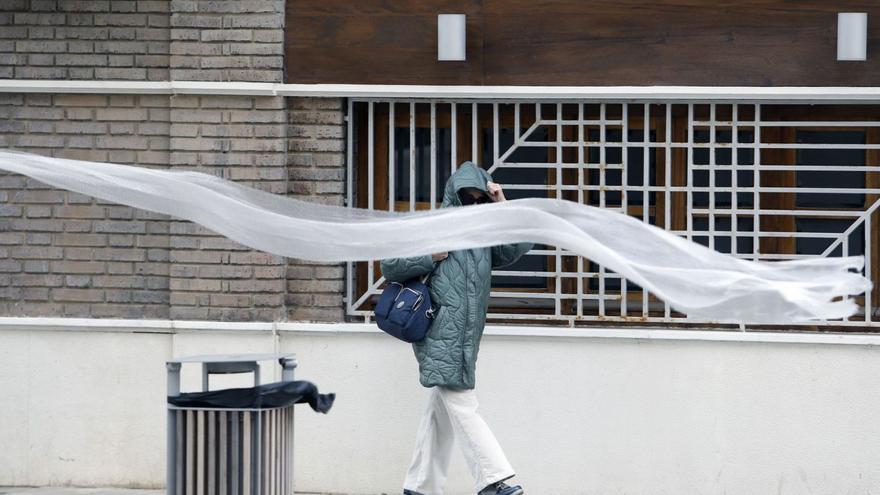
{"points": [[404, 309]]}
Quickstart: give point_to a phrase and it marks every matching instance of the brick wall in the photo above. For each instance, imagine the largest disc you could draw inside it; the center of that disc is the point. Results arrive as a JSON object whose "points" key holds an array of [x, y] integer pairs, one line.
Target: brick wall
{"points": [[67, 254], [316, 165], [157, 40], [243, 139], [228, 40], [79, 39], [64, 254]]}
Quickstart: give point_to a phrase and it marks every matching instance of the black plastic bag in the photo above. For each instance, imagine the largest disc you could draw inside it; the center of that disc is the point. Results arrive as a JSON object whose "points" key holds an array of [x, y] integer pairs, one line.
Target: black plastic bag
{"points": [[279, 394]]}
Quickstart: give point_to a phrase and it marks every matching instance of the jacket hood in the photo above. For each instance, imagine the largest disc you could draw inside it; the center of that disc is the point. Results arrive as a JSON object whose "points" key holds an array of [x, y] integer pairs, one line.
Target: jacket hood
{"points": [[467, 175]]}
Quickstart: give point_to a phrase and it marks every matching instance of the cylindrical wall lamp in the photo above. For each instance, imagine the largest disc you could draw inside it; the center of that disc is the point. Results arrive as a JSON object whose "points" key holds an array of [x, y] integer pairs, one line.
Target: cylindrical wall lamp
{"points": [[451, 37], [852, 36]]}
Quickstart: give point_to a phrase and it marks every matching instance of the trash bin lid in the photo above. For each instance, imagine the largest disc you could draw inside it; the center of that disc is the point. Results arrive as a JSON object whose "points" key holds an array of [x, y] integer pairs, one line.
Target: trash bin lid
{"points": [[231, 358]]}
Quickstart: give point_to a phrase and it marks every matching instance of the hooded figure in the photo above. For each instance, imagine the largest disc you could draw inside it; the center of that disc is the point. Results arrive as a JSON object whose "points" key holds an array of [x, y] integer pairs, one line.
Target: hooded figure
{"points": [[459, 291]]}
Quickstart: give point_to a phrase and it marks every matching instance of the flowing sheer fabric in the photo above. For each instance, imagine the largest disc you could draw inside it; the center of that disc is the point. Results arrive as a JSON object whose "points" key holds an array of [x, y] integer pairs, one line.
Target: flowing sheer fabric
{"points": [[693, 279]]}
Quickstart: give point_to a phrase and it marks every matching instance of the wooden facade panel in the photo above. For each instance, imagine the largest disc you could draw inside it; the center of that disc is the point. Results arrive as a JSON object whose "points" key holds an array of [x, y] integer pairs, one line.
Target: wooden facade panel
{"points": [[660, 47], [582, 43], [383, 7], [377, 49], [643, 7]]}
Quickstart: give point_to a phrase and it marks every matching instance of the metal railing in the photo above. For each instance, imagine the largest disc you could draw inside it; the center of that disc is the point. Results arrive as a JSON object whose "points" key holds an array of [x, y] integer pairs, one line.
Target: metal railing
{"points": [[757, 180]]}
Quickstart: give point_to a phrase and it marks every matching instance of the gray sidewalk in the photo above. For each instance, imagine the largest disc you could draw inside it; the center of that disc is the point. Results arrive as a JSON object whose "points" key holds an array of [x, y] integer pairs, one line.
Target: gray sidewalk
{"points": [[63, 490]]}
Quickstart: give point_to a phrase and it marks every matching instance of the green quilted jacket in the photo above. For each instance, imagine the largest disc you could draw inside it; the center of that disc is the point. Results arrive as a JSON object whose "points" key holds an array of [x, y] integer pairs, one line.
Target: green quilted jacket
{"points": [[460, 288]]}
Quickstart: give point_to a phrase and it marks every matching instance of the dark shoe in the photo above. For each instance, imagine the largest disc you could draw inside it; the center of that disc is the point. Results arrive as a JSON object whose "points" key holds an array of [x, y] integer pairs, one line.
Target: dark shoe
{"points": [[501, 488], [407, 492]]}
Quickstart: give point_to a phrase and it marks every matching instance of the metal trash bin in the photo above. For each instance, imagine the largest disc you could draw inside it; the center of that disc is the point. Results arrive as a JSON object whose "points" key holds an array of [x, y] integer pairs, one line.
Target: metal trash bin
{"points": [[229, 451]]}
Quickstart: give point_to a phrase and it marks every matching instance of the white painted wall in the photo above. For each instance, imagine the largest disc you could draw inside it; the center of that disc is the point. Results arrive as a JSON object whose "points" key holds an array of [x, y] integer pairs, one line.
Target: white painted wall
{"points": [[582, 415]]}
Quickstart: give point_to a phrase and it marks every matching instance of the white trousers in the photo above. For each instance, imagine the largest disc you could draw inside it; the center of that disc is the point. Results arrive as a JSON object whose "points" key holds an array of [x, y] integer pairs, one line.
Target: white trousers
{"points": [[452, 417]]}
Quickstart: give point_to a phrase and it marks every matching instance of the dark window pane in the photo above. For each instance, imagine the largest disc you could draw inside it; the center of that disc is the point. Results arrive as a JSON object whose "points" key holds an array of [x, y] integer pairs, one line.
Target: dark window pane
{"points": [[635, 172], [612, 281], [505, 141], [528, 263], [510, 173], [422, 163], [723, 156], [830, 157], [744, 239], [817, 245]]}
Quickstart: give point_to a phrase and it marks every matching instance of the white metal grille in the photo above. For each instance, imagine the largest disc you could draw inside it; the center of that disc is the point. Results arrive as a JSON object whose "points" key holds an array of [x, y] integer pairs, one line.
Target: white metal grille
{"points": [[766, 181]]}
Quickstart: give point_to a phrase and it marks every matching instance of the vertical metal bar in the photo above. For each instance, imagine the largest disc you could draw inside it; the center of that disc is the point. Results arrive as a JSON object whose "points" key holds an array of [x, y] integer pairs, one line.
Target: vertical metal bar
{"points": [[279, 452], [646, 183], [258, 454], [279, 459], [624, 200], [756, 185], [223, 454], [412, 156], [288, 368], [271, 432], [602, 166], [290, 451], [453, 135], [200, 452], [212, 453], [475, 156], [712, 145], [265, 460], [496, 130], [667, 193], [349, 198], [433, 201], [247, 453], [259, 471], [237, 449], [580, 192], [516, 124], [282, 460], [690, 172], [371, 169], [266, 453], [867, 253], [734, 183], [171, 428], [845, 252], [391, 156], [276, 452], [282, 451], [269, 448], [284, 448], [191, 437], [558, 296], [180, 452], [260, 445], [349, 150]]}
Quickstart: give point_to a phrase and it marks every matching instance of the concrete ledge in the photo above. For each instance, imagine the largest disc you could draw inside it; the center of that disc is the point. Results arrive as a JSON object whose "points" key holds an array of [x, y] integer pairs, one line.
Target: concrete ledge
{"points": [[180, 326], [640, 93]]}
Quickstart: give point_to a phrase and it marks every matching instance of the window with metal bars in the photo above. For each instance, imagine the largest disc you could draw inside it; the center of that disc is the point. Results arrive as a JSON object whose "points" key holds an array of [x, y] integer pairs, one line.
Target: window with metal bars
{"points": [[762, 181]]}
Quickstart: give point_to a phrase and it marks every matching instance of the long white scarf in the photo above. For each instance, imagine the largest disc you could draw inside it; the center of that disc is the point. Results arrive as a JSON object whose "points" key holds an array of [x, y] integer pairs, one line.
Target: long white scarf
{"points": [[693, 279]]}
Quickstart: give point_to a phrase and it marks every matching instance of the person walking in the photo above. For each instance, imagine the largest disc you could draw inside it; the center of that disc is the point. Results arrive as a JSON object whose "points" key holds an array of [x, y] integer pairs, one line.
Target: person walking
{"points": [[447, 357]]}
